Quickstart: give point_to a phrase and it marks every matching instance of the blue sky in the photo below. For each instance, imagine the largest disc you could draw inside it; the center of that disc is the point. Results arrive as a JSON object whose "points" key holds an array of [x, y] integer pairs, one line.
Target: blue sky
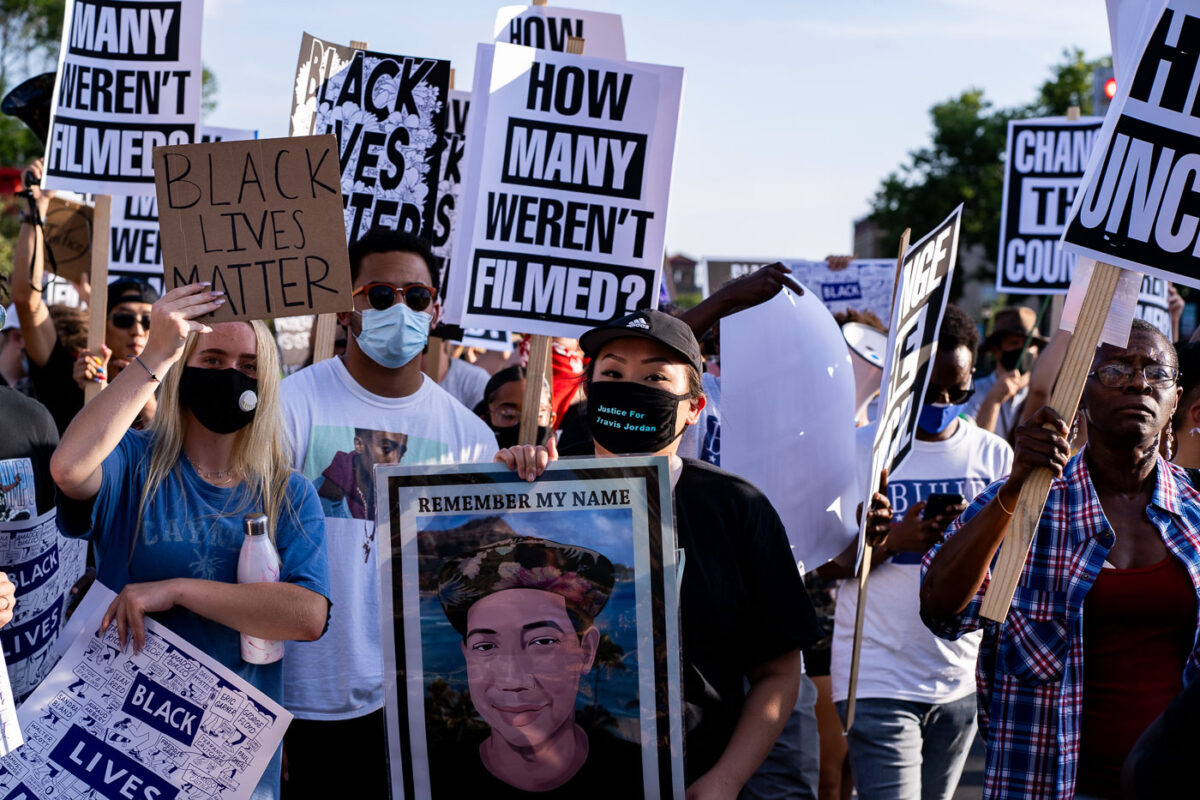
{"points": [[792, 111]]}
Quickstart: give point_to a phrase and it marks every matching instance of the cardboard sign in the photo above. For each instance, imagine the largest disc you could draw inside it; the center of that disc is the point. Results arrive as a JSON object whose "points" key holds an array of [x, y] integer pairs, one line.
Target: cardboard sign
{"points": [[388, 113], [260, 220], [168, 722], [1046, 161], [594, 538], [44, 565], [134, 247], [922, 294], [1137, 205], [569, 174], [549, 27], [69, 238], [128, 81], [813, 389]]}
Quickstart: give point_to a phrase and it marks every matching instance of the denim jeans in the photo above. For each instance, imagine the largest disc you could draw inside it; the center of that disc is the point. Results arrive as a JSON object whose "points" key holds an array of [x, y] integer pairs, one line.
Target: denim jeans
{"points": [[903, 750], [792, 769]]}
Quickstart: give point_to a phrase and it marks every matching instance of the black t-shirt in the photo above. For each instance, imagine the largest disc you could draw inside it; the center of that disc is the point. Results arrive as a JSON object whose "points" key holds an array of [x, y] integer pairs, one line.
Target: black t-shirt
{"points": [[612, 771], [55, 386], [743, 602], [27, 440]]}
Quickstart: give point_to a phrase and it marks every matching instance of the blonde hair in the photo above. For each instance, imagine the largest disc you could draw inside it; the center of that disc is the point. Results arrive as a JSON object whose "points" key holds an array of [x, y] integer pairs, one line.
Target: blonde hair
{"points": [[260, 452]]}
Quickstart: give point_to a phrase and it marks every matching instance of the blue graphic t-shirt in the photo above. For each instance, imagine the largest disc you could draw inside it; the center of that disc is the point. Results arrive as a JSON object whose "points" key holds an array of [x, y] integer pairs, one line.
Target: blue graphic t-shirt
{"points": [[193, 529]]}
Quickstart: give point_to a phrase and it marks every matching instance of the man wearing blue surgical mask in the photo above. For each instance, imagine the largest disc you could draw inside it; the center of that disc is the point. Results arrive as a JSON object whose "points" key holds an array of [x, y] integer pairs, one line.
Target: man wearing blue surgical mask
{"points": [[915, 717], [343, 412]]}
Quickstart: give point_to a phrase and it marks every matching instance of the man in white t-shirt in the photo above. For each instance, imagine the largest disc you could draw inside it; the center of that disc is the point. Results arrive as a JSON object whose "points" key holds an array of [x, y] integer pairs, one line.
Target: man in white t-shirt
{"points": [[345, 415], [915, 715]]}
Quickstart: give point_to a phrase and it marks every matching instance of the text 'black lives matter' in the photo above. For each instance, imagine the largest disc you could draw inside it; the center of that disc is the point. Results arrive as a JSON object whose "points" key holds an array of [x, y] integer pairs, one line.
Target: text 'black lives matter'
{"points": [[107, 770], [128, 31], [1142, 205], [555, 289]]}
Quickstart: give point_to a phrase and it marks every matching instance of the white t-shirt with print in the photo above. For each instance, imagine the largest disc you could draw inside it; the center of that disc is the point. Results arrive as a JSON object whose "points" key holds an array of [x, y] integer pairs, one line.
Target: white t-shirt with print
{"points": [[335, 423], [901, 659]]}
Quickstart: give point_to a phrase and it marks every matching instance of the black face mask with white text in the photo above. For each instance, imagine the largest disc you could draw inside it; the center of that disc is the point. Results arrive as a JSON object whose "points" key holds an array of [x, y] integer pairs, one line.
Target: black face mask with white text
{"points": [[627, 417]]}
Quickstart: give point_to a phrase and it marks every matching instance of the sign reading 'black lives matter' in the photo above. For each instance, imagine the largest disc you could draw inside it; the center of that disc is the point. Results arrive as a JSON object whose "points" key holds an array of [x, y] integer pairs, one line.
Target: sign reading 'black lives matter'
{"points": [[569, 171], [128, 81], [1046, 160], [1140, 208], [389, 115]]}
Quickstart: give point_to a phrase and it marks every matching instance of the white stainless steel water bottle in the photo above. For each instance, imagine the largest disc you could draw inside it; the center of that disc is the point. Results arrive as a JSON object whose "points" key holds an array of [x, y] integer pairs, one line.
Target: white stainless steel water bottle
{"points": [[258, 563]]}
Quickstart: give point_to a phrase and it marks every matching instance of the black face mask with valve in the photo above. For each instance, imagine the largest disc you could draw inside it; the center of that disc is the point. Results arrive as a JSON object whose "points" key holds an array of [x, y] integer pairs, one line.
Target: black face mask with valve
{"points": [[222, 400], [626, 417]]}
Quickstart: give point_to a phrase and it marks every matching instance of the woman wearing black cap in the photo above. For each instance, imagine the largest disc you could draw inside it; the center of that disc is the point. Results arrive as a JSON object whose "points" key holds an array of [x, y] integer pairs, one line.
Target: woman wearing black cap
{"points": [[744, 612]]}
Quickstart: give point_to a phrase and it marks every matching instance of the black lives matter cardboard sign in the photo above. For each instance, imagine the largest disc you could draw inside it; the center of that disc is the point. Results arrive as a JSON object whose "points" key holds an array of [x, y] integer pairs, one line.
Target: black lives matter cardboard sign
{"points": [[129, 80], [1139, 207], [569, 172], [260, 220], [922, 294], [388, 114], [1046, 161], [549, 27]]}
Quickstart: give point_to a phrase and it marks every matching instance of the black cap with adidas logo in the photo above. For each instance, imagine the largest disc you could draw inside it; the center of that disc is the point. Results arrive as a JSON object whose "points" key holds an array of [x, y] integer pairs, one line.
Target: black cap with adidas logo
{"points": [[657, 326]]}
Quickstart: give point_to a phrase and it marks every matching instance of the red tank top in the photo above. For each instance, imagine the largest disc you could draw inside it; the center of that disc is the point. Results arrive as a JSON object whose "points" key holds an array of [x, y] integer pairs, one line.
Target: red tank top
{"points": [[1138, 629]]}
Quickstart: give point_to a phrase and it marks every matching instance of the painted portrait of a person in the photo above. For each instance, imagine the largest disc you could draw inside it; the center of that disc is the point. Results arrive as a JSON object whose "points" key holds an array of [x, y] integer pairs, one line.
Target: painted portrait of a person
{"points": [[348, 483], [525, 609]]}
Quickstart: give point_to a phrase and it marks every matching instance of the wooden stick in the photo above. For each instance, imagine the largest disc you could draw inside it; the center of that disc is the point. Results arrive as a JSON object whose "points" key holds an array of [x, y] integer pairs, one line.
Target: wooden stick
{"points": [[575, 45], [864, 570], [535, 374], [433, 358], [98, 278], [323, 337], [1064, 400]]}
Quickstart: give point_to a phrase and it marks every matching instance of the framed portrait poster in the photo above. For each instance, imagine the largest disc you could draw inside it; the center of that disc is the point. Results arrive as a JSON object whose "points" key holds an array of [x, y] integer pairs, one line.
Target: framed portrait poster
{"points": [[530, 630]]}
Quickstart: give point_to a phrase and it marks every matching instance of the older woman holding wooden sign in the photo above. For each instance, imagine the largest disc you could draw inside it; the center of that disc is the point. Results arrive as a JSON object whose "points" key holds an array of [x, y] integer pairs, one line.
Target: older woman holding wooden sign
{"points": [[1102, 631]]}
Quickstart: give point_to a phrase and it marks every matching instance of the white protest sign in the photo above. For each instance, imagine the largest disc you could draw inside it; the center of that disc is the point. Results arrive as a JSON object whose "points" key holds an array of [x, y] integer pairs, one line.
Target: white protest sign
{"points": [[921, 299], [1120, 313], [44, 565], [168, 722], [1136, 207], [866, 284], [549, 27], [388, 113], [569, 171], [772, 429], [450, 181], [1046, 161], [129, 80], [134, 247]]}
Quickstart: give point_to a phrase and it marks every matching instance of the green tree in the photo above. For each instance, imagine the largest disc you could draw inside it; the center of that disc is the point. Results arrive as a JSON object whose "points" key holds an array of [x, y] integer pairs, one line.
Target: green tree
{"points": [[964, 161]]}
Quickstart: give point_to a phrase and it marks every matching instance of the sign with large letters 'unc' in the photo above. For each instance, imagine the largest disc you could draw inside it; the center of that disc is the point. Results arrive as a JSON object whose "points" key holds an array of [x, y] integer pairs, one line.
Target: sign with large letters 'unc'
{"points": [[1137, 207], [568, 177], [168, 722]]}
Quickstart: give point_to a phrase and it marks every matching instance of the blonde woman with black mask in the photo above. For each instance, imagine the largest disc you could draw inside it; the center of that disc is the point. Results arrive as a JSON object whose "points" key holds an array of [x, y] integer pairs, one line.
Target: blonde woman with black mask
{"points": [[163, 508]]}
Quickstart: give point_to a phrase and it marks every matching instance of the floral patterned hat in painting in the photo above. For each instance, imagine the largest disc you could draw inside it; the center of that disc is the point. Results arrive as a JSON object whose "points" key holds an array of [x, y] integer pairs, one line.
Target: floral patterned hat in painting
{"points": [[582, 577]]}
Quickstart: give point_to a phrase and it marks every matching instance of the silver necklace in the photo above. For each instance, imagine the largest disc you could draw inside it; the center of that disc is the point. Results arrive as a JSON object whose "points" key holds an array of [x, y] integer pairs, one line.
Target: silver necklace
{"points": [[221, 476]]}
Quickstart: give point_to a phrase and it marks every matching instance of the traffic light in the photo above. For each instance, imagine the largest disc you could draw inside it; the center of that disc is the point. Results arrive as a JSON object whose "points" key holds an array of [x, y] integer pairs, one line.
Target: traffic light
{"points": [[1104, 89]]}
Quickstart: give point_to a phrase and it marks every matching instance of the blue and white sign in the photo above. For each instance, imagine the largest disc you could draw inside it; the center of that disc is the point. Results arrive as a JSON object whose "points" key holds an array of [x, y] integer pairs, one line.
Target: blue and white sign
{"points": [[168, 722]]}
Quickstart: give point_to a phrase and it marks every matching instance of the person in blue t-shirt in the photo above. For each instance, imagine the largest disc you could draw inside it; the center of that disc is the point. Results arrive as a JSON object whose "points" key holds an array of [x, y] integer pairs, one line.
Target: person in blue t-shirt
{"points": [[163, 508]]}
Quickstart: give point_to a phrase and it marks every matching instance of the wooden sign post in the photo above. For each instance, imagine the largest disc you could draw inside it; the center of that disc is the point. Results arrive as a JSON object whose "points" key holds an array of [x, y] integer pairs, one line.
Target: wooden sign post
{"points": [[864, 570], [98, 301], [1064, 400]]}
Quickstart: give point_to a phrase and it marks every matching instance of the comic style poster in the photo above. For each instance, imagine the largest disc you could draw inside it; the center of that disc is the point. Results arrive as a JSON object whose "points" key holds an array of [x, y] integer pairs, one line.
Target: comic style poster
{"points": [[518, 614], [44, 565], [389, 114], [168, 722]]}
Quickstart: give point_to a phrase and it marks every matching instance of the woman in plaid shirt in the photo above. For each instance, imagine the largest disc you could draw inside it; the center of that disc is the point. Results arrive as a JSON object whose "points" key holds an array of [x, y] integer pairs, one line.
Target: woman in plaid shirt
{"points": [[1102, 631]]}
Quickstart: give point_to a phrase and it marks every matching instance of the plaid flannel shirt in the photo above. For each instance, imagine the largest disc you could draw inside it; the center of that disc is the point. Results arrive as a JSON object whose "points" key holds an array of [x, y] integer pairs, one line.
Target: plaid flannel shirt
{"points": [[1030, 668]]}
